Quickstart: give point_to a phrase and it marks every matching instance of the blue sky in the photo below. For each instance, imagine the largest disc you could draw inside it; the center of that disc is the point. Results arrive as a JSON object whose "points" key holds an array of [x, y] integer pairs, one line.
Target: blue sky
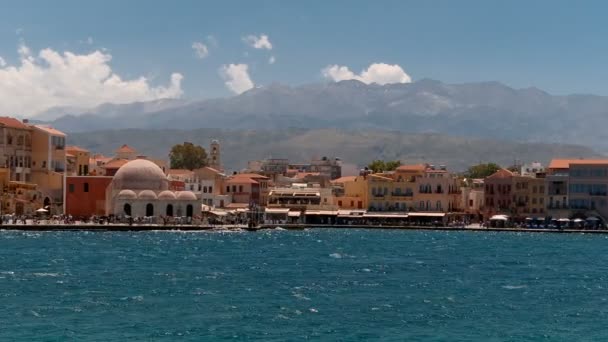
{"points": [[553, 45]]}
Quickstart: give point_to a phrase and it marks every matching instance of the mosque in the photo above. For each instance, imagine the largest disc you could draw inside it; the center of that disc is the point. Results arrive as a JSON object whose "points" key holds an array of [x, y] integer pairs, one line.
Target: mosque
{"points": [[140, 188]]}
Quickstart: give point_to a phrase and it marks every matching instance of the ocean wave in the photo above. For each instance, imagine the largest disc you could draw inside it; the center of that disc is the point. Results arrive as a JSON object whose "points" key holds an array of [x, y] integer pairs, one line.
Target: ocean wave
{"points": [[514, 287]]}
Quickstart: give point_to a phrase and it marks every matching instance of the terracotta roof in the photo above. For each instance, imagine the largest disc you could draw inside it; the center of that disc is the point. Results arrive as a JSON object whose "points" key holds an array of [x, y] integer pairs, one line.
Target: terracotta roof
{"points": [[344, 179], [249, 175], [70, 155], [415, 167], [125, 149], [50, 130], [115, 163], [565, 163], [502, 173], [241, 180], [380, 177], [12, 123], [75, 149]]}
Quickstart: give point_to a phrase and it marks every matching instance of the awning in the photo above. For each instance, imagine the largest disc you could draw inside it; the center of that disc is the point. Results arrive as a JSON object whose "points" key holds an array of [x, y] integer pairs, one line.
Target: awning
{"points": [[277, 211], [294, 214], [219, 213], [322, 212], [499, 218], [386, 215], [426, 214]]}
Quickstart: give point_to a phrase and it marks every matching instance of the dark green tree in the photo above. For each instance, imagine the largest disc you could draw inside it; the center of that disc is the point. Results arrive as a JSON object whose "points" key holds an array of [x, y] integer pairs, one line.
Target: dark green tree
{"points": [[188, 156], [481, 170], [381, 165]]}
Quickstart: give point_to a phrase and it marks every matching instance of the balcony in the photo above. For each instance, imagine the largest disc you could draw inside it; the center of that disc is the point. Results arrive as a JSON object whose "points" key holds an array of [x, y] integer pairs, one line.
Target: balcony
{"points": [[557, 207], [402, 194]]}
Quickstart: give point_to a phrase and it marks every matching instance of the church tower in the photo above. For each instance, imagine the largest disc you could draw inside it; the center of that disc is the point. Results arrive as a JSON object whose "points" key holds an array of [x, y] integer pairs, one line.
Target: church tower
{"points": [[215, 160]]}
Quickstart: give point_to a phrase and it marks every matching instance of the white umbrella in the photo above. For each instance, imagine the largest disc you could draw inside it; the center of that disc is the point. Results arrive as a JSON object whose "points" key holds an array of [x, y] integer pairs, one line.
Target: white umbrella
{"points": [[592, 218], [579, 220], [563, 220], [42, 210]]}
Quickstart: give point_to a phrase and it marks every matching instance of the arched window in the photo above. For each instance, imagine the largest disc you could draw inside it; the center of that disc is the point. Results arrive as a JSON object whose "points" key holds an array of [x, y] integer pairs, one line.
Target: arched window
{"points": [[438, 205], [205, 189], [428, 205], [169, 211], [149, 209], [421, 205], [127, 209], [189, 210]]}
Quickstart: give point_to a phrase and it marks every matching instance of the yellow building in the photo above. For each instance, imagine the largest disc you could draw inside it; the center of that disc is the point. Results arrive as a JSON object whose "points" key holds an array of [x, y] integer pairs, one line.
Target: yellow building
{"points": [[351, 192], [528, 196], [77, 161], [49, 165]]}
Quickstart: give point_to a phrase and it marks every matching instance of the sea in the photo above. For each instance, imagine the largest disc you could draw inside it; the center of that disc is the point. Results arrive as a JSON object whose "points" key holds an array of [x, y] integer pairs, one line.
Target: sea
{"points": [[317, 285]]}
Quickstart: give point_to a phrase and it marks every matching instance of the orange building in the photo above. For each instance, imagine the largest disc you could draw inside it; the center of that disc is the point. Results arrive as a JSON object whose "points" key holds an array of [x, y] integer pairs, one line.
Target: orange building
{"points": [[86, 195]]}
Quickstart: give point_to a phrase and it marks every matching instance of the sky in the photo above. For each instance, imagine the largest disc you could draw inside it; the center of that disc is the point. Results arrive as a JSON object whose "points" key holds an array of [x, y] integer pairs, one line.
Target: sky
{"points": [[83, 53]]}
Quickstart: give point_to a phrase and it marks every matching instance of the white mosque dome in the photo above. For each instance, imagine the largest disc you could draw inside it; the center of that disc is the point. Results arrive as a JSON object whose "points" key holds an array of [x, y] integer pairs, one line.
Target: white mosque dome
{"points": [[147, 194], [127, 194], [140, 174], [166, 195], [186, 196]]}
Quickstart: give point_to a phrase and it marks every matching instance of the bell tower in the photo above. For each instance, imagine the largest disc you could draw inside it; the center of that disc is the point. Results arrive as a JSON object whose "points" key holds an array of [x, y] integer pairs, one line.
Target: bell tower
{"points": [[215, 160]]}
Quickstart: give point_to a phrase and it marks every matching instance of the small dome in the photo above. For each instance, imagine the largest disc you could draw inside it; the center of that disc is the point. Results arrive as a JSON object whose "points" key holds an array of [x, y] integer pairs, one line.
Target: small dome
{"points": [[147, 194], [186, 196], [166, 195], [140, 174], [127, 194]]}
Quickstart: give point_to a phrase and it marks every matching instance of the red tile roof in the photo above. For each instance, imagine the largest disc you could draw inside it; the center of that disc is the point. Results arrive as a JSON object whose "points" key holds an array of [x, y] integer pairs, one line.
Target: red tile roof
{"points": [[12, 123], [241, 180], [115, 163], [250, 175], [502, 173], [344, 179], [75, 149], [125, 149], [50, 130], [565, 163]]}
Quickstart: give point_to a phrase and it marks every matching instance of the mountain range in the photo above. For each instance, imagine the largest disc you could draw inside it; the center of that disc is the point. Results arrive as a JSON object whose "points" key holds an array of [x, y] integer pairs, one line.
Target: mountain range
{"points": [[484, 110], [426, 112]]}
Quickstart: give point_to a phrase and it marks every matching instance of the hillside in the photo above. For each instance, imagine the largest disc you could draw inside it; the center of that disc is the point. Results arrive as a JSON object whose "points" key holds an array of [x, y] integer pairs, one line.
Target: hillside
{"points": [[483, 110], [354, 147]]}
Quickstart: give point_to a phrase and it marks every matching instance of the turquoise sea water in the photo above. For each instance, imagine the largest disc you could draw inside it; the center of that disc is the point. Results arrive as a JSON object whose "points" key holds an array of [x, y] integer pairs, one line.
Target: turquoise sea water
{"points": [[325, 285]]}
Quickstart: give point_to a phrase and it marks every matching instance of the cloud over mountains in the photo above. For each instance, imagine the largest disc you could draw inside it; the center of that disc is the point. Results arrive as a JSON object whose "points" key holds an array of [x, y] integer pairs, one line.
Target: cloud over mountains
{"points": [[51, 79], [380, 73]]}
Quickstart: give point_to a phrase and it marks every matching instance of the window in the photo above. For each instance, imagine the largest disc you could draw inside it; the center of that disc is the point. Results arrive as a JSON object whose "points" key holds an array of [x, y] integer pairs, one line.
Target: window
{"points": [[240, 188], [210, 189], [234, 188], [205, 189], [339, 203], [71, 187], [86, 187], [227, 188]]}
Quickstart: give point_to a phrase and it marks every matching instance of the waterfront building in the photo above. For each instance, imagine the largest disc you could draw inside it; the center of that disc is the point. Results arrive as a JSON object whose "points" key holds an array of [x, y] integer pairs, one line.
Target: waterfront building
{"points": [[77, 161], [294, 203], [351, 192], [520, 197], [473, 198], [247, 189], [49, 165], [97, 163], [16, 147], [577, 187], [141, 189], [86, 195], [498, 195]]}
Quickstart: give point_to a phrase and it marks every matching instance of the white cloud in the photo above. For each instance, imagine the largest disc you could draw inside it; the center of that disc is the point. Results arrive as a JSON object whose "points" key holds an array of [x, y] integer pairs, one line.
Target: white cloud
{"points": [[271, 60], [212, 40], [200, 50], [380, 73], [53, 79], [2, 62], [261, 42], [236, 77]]}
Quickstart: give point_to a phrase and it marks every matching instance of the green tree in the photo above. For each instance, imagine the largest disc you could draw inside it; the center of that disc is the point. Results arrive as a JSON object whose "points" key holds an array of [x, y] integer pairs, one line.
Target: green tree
{"points": [[481, 170], [188, 156], [381, 165]]}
